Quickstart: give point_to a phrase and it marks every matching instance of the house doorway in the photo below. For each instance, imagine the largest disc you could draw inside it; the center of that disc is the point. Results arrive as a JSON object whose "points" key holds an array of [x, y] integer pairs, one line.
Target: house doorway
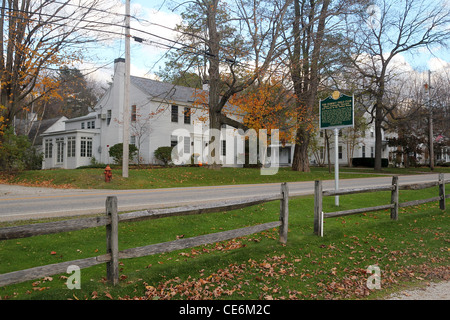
{"points": [[60, 150]]}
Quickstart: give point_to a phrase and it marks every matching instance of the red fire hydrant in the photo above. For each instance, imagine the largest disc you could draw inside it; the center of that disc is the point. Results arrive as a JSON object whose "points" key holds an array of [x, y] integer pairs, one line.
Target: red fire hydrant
{"points": [[108, 173]]}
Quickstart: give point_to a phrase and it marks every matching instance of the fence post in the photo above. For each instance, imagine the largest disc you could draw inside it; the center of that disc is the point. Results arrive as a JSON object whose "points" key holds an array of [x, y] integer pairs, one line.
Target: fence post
{"points": [[318, 214], [442, 191], [112, 241], [394, 198], [284, 212]]}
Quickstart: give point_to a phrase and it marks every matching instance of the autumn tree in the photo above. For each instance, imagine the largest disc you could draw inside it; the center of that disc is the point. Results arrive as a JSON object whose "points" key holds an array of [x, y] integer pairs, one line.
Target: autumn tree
{"points": [[440, 103], [310, 33], [74, 95], [38, 36], [231, 45], [382, 32], [267, 105]]}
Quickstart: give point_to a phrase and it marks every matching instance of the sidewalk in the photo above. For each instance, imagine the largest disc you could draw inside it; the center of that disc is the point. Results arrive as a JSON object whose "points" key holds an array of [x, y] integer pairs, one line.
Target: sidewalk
{"points": [[434, 291]]}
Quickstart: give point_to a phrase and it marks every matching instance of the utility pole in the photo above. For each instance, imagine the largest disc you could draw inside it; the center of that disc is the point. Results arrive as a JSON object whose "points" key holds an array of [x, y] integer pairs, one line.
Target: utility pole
{"points": [[430, 122], [126, 95]]}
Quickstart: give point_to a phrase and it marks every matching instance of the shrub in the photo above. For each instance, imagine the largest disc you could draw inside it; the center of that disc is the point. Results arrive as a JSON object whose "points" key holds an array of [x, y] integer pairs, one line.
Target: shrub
{"points": [[368, 162], [164, 154], [16, 153], [116, 152]]}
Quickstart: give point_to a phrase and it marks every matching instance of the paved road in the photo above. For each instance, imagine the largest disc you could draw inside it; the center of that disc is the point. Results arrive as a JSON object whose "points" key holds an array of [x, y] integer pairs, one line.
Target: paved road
{"points": [[19, 203]]}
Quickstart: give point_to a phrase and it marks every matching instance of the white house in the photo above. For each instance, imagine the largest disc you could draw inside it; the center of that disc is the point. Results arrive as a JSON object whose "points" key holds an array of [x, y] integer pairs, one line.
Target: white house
{"points": [[72, 145], [350, 148], [162, 114]]}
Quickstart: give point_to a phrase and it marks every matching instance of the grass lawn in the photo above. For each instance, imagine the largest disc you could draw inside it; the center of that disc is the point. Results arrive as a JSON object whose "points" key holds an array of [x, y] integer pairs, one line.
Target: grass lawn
{"points": [[182, 177], [409, 251]]}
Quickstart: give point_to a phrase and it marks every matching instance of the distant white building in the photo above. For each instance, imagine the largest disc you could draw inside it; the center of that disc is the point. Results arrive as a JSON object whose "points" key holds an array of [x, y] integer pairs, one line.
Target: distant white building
{"points": [[162, 114], [350, 149]]}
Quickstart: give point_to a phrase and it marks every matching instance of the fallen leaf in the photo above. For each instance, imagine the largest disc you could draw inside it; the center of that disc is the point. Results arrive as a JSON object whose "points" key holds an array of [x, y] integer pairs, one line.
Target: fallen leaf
{"points": [[108, 295]]}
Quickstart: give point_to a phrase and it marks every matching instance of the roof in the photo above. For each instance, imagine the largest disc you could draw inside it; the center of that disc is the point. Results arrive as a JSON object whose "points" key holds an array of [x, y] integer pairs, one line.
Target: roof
{"points": [[165, 91], [72, 131], [37, 128], [169, 92], [91, 115]]}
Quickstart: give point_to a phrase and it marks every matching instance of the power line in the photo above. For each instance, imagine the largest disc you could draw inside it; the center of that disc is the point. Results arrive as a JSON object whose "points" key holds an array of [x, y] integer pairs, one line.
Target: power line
{"points": [[181, 46], [91, 28], [139, 39], [90, 8]]}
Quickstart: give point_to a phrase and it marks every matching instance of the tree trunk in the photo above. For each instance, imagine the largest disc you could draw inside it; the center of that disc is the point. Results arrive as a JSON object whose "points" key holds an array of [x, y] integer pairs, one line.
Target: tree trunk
{"points": [[214, 88], [305, 72], [378, 136], [301, 160]]}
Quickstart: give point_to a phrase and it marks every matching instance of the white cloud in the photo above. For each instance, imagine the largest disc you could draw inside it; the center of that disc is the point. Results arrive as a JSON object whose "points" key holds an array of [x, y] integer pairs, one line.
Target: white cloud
{"points": [[438, 64], [399, 64]]}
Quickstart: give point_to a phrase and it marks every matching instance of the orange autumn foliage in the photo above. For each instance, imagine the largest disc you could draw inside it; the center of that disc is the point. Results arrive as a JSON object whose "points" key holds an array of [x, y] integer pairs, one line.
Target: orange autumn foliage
{"points": [[268, 106], [33, 51]]}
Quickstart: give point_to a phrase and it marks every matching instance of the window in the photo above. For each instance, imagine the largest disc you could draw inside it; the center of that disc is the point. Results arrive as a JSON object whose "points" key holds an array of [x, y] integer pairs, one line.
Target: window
{"points": [[340, 152], [71, 147], [89, 147], [187, 145], [187, 115], [133, 140], [371, 152], [174, 117], [48, 148], [133, 113], [59, 150], [86, 147], [321, 152], [83, 147], [224, 147], [108, 117], [173, 141], [90, 125], [321, 133], [363, 151]]}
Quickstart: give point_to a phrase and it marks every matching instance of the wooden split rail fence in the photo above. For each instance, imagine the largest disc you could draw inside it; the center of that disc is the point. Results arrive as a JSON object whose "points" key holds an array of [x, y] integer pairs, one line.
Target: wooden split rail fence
{"points": [[112, 219], [319, 215]]}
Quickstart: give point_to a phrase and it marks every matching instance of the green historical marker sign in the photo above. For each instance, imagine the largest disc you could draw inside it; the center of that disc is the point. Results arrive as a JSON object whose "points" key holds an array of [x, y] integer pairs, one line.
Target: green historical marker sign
{"points": [[336, 111]]}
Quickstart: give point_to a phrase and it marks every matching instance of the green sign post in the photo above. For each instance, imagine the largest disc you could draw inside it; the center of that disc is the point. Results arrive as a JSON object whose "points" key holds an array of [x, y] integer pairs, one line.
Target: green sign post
{"points": [[336, 112]]}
